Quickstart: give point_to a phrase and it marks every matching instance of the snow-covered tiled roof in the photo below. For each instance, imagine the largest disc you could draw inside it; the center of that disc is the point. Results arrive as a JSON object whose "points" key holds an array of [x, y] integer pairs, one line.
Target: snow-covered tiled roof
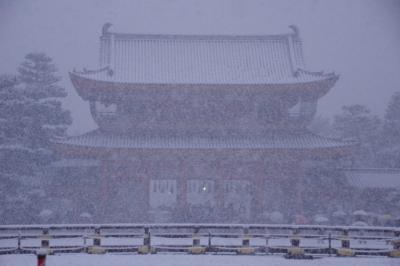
{"points": [[187, 59], [267, 140], [373, 178]]}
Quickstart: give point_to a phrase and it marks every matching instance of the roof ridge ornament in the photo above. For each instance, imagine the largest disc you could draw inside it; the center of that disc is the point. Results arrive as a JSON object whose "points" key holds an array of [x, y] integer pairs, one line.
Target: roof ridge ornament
{"points": [[295, 29], [106, 28]]}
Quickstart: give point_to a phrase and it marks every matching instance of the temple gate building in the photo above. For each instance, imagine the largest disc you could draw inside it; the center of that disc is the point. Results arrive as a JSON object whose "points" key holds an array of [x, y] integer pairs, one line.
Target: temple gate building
{"points": [[195, 126]]}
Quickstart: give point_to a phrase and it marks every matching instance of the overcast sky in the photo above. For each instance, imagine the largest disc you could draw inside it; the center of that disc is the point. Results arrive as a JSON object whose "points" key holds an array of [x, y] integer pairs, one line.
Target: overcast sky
{"points": [[358, 39]]}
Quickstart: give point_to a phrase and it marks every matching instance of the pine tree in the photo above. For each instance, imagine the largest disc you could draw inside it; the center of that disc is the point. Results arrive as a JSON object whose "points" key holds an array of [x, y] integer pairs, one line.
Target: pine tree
{"points": [[8, 99], [17, 161], [31, 116], [46, 119]]}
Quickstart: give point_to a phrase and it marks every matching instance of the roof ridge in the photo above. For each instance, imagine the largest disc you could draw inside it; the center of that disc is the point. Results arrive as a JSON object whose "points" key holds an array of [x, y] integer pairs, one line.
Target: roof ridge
{"points": [[106, 33], [206, 37]]}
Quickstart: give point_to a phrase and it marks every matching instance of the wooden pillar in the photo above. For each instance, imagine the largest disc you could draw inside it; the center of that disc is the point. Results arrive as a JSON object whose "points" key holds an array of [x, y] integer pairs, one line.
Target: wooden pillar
{"points": [[258, 181], [182, 186], [219, 183], [219, 192], [258, 208], [145, 184], [106, 178], [144, 176], [299, 173]]}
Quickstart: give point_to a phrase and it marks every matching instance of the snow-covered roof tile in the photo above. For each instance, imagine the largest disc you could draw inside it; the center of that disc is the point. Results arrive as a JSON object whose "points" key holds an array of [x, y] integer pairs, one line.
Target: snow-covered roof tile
{"points": [[281, 140], [203, 59]]}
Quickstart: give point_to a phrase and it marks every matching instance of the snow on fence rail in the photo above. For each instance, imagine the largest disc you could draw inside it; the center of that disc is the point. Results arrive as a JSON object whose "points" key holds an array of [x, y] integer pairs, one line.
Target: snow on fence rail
{"points": [[292, 240]]}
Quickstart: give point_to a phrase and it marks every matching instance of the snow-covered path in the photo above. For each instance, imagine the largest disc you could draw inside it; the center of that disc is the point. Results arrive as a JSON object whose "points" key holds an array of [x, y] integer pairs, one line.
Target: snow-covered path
{"points": [[189, 260]]}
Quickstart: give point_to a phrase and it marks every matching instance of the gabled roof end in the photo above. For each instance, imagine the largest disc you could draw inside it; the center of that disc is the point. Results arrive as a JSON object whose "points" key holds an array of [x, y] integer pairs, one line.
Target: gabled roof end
{"points": [[106, 28], [296, 30]]}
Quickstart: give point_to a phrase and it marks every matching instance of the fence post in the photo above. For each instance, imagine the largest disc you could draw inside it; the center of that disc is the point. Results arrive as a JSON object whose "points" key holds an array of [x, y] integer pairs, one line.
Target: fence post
{"points": [[44, 250], [245, 249], [196, 247], [345, 250], [96, 248], [97, 237], [146, 247], [330, 244], [395, 253], [267, 244], [85, 246], [19, 241], [209, 241], [295, 251], [267, 237], [45, 240]]}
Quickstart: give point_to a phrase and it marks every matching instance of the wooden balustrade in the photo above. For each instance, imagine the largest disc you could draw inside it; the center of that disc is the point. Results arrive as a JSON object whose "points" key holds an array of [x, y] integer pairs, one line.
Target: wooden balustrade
{"points": [[294, 241]]}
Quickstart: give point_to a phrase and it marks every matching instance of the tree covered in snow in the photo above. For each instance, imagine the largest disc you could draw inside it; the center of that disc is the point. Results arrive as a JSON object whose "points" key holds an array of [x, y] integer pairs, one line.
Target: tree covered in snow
{"points": [[390, 154], [31, 116], [42, 93], [17, 159], [356, 123]]}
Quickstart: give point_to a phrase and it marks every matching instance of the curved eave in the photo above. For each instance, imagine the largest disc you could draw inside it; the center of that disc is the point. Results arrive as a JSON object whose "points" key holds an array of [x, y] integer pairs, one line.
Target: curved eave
{"points": [[89, 88], [193, 147], [309, 144], [300, 154]]}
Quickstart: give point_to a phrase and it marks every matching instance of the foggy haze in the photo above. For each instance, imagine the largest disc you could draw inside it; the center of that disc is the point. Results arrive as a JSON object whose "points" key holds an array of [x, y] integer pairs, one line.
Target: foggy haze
{"points": [[357, 39], [234, 127]]}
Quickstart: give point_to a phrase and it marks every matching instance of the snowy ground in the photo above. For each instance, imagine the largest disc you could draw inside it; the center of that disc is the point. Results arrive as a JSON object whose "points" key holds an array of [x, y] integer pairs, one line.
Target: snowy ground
{"points": [[190, 260]]}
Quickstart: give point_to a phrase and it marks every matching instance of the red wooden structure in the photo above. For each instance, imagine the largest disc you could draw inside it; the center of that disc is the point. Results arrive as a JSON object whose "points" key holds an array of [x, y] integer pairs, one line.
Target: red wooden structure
{"points": [[190, 121]]}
